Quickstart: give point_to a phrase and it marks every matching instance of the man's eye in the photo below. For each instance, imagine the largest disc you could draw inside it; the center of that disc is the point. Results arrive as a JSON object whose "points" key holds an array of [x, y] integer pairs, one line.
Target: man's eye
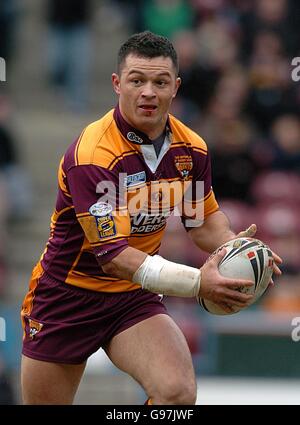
{"points": [[161, 83], [136, 81]]}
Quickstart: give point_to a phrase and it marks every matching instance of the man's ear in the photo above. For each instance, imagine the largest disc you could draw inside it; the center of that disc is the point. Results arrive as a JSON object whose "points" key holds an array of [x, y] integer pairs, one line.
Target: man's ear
{"points": [[178, 84], [116, 83]]}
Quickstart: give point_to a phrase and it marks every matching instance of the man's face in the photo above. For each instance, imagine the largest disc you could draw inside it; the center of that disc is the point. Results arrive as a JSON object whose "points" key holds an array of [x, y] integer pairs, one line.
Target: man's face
{"points": [[146, 87]]}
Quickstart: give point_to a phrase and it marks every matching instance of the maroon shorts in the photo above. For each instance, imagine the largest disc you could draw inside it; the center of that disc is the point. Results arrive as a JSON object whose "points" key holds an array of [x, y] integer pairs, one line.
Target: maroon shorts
{"points": [[67, 324]]}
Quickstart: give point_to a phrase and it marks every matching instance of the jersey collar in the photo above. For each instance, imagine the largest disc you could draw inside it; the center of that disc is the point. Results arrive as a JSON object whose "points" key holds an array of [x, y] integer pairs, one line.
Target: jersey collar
{"points": [[130, 133]]}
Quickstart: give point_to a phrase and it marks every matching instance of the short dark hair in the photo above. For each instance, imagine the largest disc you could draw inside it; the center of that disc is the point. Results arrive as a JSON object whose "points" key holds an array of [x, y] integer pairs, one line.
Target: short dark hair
{"points": [[148, 45]]}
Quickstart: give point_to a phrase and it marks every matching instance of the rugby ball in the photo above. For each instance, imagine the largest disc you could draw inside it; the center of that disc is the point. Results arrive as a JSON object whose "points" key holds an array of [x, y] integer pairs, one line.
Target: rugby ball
{"points": [[246, 258]]}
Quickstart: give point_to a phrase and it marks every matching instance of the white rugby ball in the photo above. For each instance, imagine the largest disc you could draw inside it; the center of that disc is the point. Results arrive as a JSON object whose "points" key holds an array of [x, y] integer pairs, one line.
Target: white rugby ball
{"points": [[248, 259]]}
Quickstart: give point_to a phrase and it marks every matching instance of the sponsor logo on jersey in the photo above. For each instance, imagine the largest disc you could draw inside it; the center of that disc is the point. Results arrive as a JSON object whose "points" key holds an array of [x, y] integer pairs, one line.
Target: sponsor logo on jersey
{"points": [[184, 164], [147, 223], [102, 212], [135, 179], [100, 209], [34, 328], [132, 137], [106, 226]]}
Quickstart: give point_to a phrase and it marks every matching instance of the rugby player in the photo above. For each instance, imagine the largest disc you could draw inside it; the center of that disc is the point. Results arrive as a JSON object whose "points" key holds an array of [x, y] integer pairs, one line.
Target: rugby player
{"points": [[99, 280]]}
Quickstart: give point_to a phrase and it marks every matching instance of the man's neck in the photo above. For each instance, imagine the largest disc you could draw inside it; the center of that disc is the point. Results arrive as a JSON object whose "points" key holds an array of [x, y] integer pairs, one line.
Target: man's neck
{"points": [[138, 136], [155, 134], [152, 133]]}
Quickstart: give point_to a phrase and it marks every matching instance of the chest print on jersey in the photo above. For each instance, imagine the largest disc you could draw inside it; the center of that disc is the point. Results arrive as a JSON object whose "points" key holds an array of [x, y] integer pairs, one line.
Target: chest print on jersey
{"points": [[184, 164]]}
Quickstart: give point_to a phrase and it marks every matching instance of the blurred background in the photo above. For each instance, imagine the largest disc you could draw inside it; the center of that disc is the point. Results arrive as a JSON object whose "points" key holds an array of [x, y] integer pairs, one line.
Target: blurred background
{"points": [[237, 93]]}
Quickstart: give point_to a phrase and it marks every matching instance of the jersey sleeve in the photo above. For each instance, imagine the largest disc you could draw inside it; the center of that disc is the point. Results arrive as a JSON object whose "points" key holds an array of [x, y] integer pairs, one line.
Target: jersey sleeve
{"points": [[103, 218], [199, 200]]}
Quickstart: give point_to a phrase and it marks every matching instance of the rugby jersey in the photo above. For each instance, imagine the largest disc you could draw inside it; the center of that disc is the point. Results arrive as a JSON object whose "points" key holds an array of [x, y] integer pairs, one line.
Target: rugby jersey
{"points": [[90, 225]]}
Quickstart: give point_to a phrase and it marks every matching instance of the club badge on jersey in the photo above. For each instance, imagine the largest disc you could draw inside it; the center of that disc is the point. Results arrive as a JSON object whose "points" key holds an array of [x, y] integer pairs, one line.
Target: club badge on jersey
{"points": [[34, 328], [104, 219], [184, 164]]}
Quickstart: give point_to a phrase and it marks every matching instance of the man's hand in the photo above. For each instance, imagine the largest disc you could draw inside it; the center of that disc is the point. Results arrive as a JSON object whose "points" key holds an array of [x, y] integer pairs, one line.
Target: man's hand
{"points": [[222, 290], [276, 269], [249, 233]]}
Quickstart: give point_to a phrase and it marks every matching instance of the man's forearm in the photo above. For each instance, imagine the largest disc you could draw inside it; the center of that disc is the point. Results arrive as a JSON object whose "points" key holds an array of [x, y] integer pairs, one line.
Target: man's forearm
{"points": [[154, 273], [125, 264], [213, 233]]}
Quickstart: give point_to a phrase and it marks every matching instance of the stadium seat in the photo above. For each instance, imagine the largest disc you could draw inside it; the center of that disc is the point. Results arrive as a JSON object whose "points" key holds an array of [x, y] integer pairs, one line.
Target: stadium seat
{"points": [[276, 186], [283, 298], [277, 219], [288, 249], [239, 213]]}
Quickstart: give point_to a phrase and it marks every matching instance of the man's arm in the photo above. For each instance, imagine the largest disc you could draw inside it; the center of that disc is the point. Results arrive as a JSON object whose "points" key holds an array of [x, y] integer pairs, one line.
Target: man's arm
{"points": [[161, 276], [215, 231], [125, 264]]}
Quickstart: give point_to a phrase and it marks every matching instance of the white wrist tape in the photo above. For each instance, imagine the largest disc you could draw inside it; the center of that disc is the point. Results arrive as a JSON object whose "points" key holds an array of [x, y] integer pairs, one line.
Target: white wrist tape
{"points": [[165, 277]]}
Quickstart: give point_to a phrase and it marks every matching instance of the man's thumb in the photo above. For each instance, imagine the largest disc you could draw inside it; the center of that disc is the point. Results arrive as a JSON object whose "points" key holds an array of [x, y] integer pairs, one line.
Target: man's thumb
{"points": [[248, 233]]}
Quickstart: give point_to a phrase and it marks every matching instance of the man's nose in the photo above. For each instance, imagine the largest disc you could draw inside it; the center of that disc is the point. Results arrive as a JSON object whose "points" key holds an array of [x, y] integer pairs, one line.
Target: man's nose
{"points": [[148, 90]]}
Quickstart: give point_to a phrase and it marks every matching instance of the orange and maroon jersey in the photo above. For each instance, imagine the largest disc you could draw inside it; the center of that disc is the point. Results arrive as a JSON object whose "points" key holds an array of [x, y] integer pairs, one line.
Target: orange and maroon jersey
{"points": [[113, 194]]}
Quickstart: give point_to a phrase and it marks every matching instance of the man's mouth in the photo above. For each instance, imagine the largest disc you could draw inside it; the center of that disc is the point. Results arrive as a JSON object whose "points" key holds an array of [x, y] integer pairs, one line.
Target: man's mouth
{"points": [[148, 107]]}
